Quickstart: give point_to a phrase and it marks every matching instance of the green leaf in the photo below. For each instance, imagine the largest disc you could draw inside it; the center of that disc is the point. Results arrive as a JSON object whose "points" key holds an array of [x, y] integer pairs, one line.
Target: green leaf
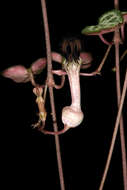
{"points": [[91, 29], [110, 19]]}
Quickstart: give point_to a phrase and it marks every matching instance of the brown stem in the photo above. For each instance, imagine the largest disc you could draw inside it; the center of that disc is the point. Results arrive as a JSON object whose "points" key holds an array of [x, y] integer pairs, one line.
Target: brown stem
{"points": [[58, 58], [104, 40], [50, 77], [122, 32], [123, 55], [122, 135], [53, 132], [62, 83], [58, 151], [47, 39], [105, 57], [32, 79], [100, 66], [114, 134], [117, 41], [116, 4]]}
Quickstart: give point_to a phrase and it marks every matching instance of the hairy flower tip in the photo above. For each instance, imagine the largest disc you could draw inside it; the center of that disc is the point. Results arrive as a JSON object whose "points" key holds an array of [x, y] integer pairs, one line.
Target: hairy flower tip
{"points": [[71, 49], [38, 66], [17, 73]]}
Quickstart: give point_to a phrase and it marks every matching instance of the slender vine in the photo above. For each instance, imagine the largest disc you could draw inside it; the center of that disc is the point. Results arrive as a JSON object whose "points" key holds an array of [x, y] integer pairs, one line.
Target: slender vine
{"points": [[122, 135], [113, 21], [50, 82], [119, 119], [114, 133]]}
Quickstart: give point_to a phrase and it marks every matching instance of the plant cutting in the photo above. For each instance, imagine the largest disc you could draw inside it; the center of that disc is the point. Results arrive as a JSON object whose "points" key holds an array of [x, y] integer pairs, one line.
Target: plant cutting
{"points": [[71, 61]]}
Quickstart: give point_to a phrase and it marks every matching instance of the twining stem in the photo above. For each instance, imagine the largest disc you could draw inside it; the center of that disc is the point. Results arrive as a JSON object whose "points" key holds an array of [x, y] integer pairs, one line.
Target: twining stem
{"points": [[32, 79], [45, 92], [61, 84], [122, 136], [103, 40], [120, 118], [114, 133], [98, 71], [123, 55], [58, 151], [116, 4], [105, 57], [50, 78], [47, 38]]}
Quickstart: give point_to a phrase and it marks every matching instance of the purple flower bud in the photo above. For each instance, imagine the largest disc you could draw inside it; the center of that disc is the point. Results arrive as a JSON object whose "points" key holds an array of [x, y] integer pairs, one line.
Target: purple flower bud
{"points": [[17, 73], [86, 57], [57, 57], [38, 65]]}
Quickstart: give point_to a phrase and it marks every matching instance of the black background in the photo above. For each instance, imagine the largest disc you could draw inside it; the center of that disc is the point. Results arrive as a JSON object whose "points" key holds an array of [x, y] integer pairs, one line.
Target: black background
{"points": [[28, 158]]}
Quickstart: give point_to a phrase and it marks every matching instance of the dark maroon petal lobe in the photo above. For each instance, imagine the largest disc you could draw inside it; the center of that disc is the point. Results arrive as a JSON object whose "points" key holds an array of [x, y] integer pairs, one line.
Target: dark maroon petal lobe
{"points": [[38, 65], [57, 57], [17, 73], [86, 57]]}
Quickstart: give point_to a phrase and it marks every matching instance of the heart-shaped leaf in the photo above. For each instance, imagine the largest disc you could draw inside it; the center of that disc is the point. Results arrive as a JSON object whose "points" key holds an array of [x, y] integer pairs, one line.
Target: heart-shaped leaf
{"points": [[110, 19], [106, 23]]}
